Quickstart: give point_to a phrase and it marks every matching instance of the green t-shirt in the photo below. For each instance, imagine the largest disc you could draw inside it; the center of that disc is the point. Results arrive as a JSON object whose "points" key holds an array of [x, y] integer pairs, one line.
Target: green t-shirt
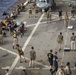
{"points": [[60, 38], [30, 11], [33, 54]]}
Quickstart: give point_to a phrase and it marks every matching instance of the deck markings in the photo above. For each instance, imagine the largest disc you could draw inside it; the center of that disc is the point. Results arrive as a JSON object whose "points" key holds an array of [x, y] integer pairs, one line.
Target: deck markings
{"points": [[8, 51], [25, 45], [65, 45]]}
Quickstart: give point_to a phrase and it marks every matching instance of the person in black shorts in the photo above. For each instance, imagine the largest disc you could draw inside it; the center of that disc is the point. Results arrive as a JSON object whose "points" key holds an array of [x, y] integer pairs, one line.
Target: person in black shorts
{"points": [[21, 53], [55, 63], [22, 29], [60, 14], [50, 59]]}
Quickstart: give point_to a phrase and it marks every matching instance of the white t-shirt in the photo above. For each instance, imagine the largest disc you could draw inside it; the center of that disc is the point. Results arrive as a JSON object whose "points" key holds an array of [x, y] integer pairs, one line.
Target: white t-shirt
{"points": [[67, 70], [60, 72]]}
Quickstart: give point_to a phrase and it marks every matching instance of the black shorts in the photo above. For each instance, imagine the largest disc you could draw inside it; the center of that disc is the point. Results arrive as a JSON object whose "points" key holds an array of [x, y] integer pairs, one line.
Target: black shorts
{"points": [[21, 53], [32, 58], [51, 62]]}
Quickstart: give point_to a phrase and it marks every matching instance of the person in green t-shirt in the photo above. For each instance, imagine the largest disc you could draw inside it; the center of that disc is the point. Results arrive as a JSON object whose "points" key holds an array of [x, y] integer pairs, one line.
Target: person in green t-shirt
{"points": [[50, 59], [15, 39], [32, 57], [30, 12], [36, 11], [20, 52], [60, 40]]}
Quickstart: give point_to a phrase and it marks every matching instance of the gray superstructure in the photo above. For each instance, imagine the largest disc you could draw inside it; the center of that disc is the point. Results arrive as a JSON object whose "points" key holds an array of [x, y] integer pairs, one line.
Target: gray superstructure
{"points": [[44, 4]]}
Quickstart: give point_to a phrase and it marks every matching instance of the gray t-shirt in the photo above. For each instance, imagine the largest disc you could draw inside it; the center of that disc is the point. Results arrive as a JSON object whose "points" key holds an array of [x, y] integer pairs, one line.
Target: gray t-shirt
{"points": [[33, 54]]}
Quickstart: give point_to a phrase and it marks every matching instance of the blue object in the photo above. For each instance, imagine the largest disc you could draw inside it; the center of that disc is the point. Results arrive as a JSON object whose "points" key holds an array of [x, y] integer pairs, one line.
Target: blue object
{"points": [[18, 23]]}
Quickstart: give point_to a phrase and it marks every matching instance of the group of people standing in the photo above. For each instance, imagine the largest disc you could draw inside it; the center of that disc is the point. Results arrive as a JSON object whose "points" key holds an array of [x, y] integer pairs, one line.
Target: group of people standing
{"points": [[32, 54], [60, 13], [20, 50], [53, 60], [36, 10], [60, 40], [66, 16]]}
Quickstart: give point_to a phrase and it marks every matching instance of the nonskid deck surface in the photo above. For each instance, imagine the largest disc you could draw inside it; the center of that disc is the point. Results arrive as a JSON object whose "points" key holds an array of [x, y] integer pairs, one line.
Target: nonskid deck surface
{"points": [[41, 35]]}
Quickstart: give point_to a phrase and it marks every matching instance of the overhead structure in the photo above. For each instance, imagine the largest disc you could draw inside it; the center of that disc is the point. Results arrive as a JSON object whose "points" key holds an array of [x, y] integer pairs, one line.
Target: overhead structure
{"points": [[45, 4]]}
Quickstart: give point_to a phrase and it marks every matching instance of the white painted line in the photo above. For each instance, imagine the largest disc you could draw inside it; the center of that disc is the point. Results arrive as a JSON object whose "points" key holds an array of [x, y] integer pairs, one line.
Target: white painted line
{"points": [[29, 38], [40, 23], [52, 22], [8, 51], [13, 65], [35, 24], [7, 67], [25, 45], [30, 25], [65, 44], [26, 2], [26, 68], [38, 63], [62, 58], [20, 67], [36, 68], [41, 64]]}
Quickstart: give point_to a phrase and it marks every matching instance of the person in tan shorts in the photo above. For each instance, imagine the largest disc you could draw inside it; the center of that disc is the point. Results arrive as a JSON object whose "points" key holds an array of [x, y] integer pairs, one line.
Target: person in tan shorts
{"points": [[66, 19], [15, 39]]}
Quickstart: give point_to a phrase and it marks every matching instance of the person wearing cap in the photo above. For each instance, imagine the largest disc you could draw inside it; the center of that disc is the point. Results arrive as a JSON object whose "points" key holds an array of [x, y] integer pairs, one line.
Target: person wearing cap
{"points": [[72, 40], [55, 61], [60, 40], [21, 53], [50, 59]]}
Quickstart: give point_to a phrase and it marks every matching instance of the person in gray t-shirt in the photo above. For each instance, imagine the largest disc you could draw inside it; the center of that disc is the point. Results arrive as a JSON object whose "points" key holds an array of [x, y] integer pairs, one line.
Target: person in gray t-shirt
{"points": [[32, 57]]}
